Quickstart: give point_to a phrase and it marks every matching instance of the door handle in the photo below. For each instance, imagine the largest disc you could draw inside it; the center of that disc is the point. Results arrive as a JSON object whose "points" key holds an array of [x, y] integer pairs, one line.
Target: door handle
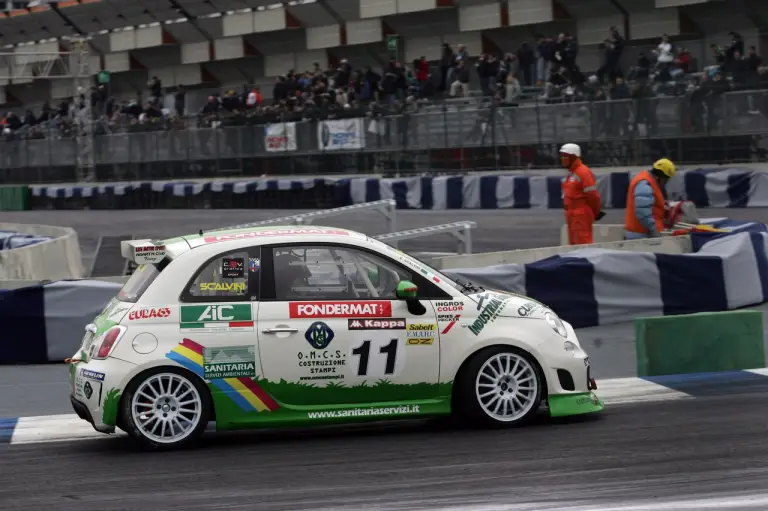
{"points": [[280, 329]]}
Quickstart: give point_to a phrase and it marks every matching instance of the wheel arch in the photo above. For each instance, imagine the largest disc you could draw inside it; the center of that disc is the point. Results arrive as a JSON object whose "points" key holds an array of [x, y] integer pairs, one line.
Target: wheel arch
{"points": [[460, 372], [160, 368]]}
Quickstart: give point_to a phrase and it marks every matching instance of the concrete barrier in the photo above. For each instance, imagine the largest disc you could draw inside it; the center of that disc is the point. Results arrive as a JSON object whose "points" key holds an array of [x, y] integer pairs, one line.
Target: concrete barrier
{"points": [[667, 245], [601, 233], [56, 259], [699, 343]]}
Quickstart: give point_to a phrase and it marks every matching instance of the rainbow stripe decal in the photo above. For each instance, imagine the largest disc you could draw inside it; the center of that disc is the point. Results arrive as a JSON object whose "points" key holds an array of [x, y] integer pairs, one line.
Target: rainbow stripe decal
{"points": [[245, 392]]}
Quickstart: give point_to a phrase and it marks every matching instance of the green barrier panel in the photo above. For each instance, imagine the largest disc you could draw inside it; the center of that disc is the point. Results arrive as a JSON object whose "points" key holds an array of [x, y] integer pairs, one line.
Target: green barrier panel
{"points": [[14, 198], [699, 343]]}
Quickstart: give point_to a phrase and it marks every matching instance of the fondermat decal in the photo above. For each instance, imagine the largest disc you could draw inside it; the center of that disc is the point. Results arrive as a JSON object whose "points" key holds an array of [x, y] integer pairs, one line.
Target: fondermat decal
{"points": [[233, 268], [421, 334], [487, 315], [340, 309], [449, 306], [319, 335], [320, 363], [229, 362], [160, 312], [376, 324]]}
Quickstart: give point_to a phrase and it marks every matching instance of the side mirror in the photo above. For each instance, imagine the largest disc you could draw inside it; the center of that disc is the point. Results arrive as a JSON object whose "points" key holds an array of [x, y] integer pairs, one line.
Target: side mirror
{"points": [[408, 291]]}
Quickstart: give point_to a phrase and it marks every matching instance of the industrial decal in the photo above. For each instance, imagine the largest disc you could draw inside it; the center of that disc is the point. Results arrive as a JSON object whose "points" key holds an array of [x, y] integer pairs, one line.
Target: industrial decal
{"points": [[488, 314], [421, 334], [340, 309]]}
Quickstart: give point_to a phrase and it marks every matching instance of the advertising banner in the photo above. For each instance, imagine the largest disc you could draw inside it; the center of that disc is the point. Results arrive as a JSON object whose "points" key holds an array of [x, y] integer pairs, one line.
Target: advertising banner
{"points": [[340, 134], [280, 137]]}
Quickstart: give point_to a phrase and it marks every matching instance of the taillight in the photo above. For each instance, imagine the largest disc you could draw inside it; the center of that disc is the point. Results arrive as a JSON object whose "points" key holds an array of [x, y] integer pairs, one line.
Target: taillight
{"points": [[110, 338]]}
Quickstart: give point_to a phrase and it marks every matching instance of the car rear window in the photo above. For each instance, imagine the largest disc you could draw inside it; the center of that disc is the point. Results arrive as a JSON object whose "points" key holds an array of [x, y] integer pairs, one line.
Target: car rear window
{"points": [[140, 281]]}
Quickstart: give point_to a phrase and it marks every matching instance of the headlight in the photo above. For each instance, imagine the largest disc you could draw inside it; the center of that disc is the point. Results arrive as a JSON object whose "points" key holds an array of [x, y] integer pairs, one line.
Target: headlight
{"points": [[555, 323]]}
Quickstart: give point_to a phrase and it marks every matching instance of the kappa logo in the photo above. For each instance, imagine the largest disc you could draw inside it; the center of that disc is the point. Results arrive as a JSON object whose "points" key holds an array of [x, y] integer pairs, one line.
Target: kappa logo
{"points": [[319, 335], [376, 324]]}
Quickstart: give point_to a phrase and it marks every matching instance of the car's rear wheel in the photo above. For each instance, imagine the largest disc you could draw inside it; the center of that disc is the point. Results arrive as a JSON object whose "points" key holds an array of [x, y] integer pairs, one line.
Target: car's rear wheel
{"points": [[500, 387], [166, 408]]}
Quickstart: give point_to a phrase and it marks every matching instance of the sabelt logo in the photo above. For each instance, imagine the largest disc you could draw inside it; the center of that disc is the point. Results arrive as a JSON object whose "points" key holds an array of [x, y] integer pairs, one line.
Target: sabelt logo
{"points": [[429, 327], [162, 312], [340, 309], [376, 324]]}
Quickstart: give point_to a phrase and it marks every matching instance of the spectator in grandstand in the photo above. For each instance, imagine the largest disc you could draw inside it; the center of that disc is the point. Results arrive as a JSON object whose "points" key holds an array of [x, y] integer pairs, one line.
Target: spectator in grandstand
{"points": [[180, 100], [487, 70], [566, 52], [614, 49], [460, 86], [155, 87], [546, 48], [526, 60], [447, 65]]}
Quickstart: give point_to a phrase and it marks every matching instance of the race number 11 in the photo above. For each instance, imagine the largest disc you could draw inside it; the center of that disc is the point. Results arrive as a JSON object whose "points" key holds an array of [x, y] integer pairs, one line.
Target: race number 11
{"points": [[363, 352]]}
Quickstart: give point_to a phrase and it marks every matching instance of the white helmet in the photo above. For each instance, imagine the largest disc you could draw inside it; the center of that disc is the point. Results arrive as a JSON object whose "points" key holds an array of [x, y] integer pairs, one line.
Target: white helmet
{"points": [[573, 149]]}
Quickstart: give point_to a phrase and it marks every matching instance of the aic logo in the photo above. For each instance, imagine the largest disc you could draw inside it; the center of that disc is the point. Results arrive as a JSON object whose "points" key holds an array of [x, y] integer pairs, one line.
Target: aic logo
{"points": [[211, 313]]}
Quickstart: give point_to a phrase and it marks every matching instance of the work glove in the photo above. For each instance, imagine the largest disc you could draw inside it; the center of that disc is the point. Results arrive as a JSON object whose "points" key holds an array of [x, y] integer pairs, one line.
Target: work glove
{"points": [[654, 234], [600, 215]]}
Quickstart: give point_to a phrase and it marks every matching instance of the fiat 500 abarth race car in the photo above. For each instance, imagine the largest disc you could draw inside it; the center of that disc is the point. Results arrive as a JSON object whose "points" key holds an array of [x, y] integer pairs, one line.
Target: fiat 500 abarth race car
{"points": [[282, 326]]}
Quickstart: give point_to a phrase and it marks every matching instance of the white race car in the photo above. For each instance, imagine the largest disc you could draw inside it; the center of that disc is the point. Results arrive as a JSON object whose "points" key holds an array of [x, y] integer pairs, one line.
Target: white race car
{"points": [[287, 326]]}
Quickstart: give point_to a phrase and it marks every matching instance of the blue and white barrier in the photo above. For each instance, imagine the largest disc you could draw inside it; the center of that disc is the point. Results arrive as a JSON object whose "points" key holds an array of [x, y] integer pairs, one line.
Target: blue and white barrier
{"points": [[43, 323], [709, 187], [10, 240], [591, 287]]}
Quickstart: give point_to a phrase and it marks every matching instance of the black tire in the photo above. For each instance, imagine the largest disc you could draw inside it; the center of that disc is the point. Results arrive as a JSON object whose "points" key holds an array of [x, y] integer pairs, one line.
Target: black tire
{"points": [[466, 404], [129, 426]]}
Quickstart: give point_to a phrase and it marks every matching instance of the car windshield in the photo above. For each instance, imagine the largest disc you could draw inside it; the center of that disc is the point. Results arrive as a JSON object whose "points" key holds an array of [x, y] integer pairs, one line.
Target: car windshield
{"points": [[142, 278], [464, 287]]}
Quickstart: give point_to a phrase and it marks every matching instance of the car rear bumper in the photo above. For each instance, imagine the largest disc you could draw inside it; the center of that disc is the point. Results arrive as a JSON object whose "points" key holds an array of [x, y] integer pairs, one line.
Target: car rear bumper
{"points": [[82, 411]]}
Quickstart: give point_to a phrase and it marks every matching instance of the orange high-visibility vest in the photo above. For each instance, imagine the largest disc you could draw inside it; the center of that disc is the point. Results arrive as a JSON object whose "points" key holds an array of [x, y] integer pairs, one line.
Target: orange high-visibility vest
{"points": [[631, 223]]}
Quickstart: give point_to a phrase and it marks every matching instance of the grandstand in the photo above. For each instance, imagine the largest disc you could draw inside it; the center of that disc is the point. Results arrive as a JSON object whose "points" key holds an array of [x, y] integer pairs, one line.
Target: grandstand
{"points": [[452, 65]]}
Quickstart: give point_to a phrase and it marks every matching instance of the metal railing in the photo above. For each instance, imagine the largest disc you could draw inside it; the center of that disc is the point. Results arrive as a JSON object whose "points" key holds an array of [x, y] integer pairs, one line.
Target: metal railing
{"points": [[617, 132]]}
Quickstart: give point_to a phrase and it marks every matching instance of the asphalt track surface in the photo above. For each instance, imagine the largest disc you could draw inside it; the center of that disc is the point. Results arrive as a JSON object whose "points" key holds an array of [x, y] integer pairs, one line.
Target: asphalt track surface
{"points": [[707, 448], [669, 454]]}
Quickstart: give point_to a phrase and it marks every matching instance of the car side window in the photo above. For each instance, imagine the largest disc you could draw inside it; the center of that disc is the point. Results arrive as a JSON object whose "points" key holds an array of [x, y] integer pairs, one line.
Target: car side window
{"points": [[307, 272], [233, 276]]}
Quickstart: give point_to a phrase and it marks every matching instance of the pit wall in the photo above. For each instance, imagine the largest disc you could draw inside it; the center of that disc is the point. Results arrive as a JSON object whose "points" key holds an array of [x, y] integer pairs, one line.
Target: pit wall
{"points": [[56, 259], [667, 245]]}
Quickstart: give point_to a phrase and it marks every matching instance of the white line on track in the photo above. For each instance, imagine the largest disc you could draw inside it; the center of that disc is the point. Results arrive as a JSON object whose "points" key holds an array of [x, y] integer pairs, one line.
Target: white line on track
{"points": [[63, 428]]}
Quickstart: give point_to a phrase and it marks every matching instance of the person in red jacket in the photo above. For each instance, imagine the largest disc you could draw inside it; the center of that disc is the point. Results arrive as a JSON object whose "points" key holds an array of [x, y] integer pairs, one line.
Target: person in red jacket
{"points": [[581, 200]]}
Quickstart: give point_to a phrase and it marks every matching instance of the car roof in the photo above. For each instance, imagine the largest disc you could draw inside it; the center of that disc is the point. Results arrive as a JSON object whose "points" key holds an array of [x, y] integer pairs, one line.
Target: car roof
{"points": [[273, 233]]}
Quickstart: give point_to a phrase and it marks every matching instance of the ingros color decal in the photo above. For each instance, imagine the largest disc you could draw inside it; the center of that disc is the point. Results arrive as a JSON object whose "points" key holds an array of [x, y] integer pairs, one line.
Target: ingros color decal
{"points": [[155, 313], [361, 309], [449, 307]]}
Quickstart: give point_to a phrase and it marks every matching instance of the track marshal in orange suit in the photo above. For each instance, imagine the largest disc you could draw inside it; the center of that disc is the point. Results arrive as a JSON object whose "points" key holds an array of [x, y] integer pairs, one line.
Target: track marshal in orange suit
{"points": [[581, 199]]}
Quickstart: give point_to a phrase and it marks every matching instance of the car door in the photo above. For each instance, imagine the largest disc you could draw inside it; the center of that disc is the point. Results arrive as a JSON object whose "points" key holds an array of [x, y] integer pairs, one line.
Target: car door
{"points": [[217, 333], [332, 332]]}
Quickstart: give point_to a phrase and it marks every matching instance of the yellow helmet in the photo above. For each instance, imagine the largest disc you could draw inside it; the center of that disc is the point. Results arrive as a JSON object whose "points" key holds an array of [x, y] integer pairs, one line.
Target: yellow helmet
{"points": [[665, 166]]}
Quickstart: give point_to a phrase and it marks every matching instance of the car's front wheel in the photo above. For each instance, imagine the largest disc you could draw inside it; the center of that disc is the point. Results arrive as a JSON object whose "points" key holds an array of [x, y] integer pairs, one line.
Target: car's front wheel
{"points": [[500, 387], [165, 408]]}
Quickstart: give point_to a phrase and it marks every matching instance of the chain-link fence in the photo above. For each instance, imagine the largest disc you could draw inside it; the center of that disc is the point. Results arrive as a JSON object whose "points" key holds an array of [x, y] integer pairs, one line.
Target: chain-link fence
{"points": [[691, 128]]}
